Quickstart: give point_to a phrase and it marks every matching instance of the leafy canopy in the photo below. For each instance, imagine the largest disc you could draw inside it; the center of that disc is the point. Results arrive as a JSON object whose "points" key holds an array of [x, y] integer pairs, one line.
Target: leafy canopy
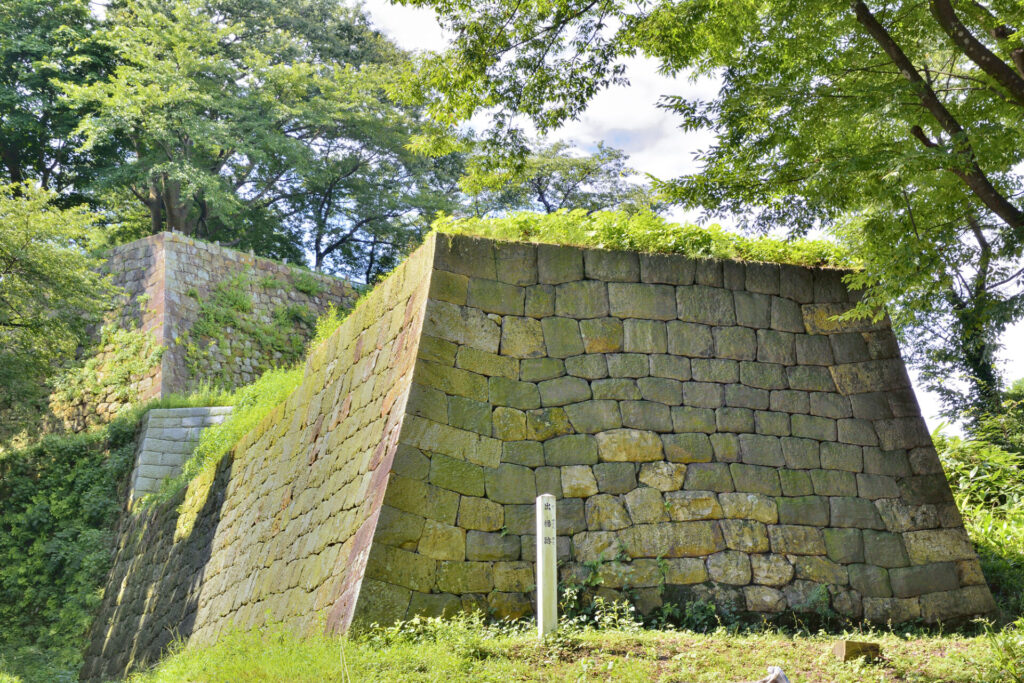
{"points": [[50, 292]]}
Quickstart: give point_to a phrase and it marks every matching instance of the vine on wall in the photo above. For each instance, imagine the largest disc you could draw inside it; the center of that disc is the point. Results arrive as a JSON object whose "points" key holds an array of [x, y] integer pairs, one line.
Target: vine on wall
{"points": [[230, 332]]}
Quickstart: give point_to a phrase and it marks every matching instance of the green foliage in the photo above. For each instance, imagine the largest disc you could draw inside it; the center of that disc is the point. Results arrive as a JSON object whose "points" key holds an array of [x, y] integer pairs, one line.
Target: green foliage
{"points": [[986, 474], [553, 177], [645, 231], [112, 368], [49, 296], [252, 403], [227, 315], [45, 40], [304, 282], [1005, 663], [60, 500]]}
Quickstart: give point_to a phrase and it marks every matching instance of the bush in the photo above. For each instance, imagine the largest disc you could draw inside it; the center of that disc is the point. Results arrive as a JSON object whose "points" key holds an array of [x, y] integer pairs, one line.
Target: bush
{"points": [[646, 232]]}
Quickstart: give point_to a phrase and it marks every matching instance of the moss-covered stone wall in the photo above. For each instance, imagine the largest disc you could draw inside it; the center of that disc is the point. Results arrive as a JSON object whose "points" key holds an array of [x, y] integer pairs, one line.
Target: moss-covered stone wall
{"points": [[221, 316], [710, 433], [281, 528]]}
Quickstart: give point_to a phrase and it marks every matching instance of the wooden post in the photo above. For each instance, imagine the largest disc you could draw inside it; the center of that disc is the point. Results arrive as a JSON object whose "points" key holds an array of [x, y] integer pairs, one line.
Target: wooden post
{"points": [[547, 578]]}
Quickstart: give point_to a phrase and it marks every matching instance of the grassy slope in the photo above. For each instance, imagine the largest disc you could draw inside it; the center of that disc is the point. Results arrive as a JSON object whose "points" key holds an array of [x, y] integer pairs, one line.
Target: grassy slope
{"points": [[466, 652]]}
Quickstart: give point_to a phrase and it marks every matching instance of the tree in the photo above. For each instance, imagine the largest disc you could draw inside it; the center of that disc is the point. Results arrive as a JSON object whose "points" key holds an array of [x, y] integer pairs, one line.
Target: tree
{"points": [[552, 177], [898, 124], [45, 41], [265, 125], [50, 292]]}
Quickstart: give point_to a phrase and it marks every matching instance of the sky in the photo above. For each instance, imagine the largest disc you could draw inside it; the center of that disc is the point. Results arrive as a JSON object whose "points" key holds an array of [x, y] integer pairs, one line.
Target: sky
{"points": [[628, 118]]}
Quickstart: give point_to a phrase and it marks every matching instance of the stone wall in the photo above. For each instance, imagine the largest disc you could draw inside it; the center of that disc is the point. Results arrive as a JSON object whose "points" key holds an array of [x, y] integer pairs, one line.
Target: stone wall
{"points": [[707, 428], [167, 278], [167, 438], [282, 526], [710, 432]]}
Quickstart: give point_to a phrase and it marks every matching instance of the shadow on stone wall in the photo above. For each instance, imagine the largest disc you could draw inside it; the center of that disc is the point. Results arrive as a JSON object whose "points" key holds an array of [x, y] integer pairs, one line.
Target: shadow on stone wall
{"points": [[152, 593]]}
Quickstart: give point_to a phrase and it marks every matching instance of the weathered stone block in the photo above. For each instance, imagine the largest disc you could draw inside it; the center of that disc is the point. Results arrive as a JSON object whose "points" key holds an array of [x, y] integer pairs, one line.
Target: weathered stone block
{"points": [[746, 535], [478, 513], [758, 449], [628, 365], [647, 415], [685, 506], [611, 266], [859, 432], [442, 542], [578, 481], [562, 337], [962, 602], [488, 364], [652, 302], [521, 337], [549, 480], [540, 301], [617, 389], [763, 375], [870, 581], [807, 510], [787, 316], [938, 545], [855, 512], [874, 486], [587, 366], [547, 423], [884, 549], [739, 396], [508, 424], [644, 336], [811, 427], [689, 339], [620, 477], [398, 529], [645, 505], [670, 367], [573, 449], [558, 264], [849, 347], [664, 476], [563, 391], [670, 269], [450, 287], [810, 378], [606, 513], [464, 577], [800, 453], [515, 263], [883, 610], [602, 335], [510, 483], [689, 419], [709, 477], [844, 545], [796, 540], [402, 568], [590, 417], [483, 546], [540, 369], [514, 576], [662, 390], [629, 445], [753, 310], [703, 394], [771, 570], [841, 456], [755, 479], [456, 475], [715, 370], [729, 567], [795, 482], [737, 343], [527, 453], [687, 448], [707, 305], [473, 416], [495, 297], [672, 539], [420, 498], [771, 423], [581, 299], [908, 582]]}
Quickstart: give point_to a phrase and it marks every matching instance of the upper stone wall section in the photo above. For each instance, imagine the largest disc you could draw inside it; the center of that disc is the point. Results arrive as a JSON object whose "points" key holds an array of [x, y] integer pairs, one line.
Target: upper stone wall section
{"points": [[260, 313]]}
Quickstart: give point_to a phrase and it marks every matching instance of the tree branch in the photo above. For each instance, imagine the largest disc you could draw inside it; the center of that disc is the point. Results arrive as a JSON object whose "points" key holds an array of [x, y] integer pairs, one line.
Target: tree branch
{"points": [[986, 60], [974, 177]]}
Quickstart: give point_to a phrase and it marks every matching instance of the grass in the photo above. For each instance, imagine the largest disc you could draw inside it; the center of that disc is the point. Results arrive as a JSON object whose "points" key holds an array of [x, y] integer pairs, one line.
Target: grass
{"points": [[464, 649]]}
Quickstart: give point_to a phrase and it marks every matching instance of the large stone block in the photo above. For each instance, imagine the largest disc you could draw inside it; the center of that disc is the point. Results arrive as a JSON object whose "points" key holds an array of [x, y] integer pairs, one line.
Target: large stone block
{"points": [[652, 302], [672, 539], [707, 305], [582, 299], [629, 445]]}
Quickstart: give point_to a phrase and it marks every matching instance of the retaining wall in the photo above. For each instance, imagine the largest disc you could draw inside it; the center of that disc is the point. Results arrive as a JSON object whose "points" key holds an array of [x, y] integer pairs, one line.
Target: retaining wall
{"points": [[167, 438], [709, 430], [167, 278]]}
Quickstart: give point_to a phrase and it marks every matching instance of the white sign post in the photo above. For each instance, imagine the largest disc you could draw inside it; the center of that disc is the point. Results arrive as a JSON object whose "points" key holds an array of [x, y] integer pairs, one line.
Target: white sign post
{"points": [[547, 579]]}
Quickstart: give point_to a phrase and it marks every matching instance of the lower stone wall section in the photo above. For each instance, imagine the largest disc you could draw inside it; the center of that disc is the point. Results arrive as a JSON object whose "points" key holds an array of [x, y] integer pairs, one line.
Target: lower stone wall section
{"points": [[281, 527], [167, 438]]}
